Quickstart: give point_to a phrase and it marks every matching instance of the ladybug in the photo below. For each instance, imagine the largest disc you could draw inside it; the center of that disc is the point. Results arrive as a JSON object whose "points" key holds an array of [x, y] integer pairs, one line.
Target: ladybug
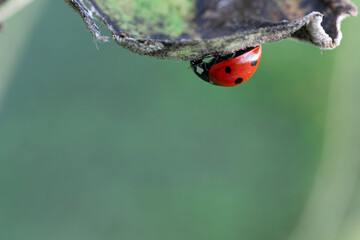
{"points": [[230, 70]]}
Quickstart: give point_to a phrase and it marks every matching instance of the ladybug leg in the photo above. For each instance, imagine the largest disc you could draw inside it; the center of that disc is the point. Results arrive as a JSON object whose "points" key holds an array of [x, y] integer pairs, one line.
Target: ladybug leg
{"points": [[213, 61], [227, 57]]}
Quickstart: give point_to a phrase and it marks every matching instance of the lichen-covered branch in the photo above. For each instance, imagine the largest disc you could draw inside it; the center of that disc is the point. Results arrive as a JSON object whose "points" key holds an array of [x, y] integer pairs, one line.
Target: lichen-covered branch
{"points": [[194, 29]]}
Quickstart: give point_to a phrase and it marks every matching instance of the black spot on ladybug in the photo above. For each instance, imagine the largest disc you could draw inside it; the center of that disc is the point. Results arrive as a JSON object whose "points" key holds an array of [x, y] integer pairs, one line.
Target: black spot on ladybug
{"points": [[253, 63], [238, 81], [228, 70]]}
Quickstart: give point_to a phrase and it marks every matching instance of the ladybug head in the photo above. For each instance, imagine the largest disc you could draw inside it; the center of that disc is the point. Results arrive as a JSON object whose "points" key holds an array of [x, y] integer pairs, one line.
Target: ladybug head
{"points": [[201, 69]]}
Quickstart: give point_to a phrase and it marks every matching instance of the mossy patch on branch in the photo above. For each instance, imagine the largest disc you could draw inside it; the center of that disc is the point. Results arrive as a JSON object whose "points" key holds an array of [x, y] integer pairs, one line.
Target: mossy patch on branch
{"points": [[162, 17]]}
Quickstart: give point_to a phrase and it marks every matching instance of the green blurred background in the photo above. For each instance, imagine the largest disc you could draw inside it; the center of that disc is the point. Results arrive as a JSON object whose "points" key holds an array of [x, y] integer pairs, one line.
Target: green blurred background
{"points": [[100, 143]]}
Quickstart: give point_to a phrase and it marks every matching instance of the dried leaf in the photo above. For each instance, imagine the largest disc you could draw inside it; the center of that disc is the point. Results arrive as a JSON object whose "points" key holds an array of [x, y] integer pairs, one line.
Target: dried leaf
{"points": [[194, 29]]}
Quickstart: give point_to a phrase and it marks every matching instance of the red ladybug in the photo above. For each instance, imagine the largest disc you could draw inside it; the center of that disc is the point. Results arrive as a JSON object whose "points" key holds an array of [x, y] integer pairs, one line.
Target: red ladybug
{"points": [[231, 70]]}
